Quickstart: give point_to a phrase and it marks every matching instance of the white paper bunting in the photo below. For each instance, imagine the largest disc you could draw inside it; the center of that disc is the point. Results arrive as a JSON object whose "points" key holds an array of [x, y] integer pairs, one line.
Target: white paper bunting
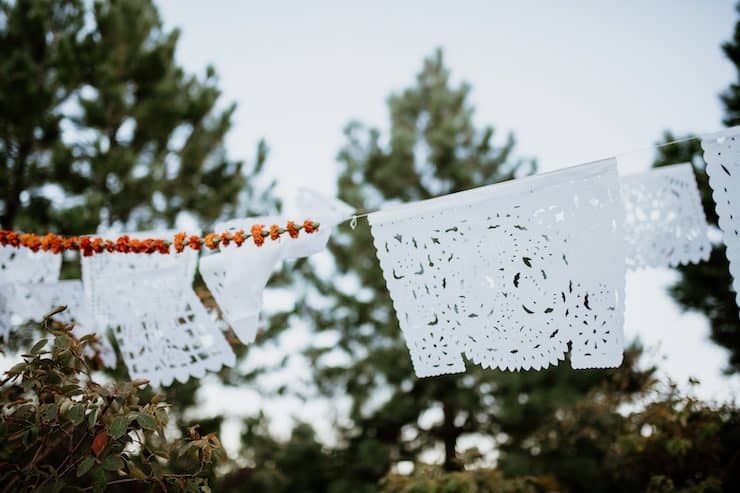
{"points": [[111, 265], [162, 329], [664, 223], [20, 267], [509, 274], [237, 276], [722, 155]]}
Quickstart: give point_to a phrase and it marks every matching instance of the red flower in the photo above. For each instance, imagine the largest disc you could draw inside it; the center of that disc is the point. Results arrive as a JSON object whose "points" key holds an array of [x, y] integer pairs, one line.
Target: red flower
{"points": [[86, 246], [195, 242]]}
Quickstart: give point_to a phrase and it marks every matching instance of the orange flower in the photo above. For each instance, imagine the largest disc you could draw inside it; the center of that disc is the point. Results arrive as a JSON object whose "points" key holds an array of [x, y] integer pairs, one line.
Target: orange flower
{"points": [[86, 246], [180, 242], [13, 239], [195, 242], [239, 237], [30, 241], [274, 232], [225, 238], [70, 243], [292, 229], [310, 226], [256, 231], [211, 241], [97, 244], [122, 244]]}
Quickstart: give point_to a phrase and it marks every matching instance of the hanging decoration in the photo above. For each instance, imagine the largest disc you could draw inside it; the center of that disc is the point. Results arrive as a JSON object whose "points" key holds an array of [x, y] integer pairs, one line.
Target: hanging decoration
{"points": [[92, 245], [98, 270], [163, 331], [664, 221], [509, 274], [237, 277], [722, 155], [20, 270]]}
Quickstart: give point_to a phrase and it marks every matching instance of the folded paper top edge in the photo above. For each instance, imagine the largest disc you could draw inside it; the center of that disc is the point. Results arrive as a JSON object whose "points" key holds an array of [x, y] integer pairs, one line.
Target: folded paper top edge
{"points": [[513, 186]]}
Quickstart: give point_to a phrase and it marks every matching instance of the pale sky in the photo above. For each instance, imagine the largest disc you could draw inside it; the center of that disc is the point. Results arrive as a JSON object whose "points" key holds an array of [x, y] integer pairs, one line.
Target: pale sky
{"points": [[575, 81]]}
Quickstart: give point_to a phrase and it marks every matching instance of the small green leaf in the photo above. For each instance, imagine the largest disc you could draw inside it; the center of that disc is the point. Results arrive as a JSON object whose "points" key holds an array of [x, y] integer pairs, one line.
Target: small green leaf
{"points": [[18, 368], [50, 411], [92, 418], [112, 463], [118, 427], [146, 421], [62, 343], [77, 414], [39, 346], [85, 465], [135, 471], [99, 480]]}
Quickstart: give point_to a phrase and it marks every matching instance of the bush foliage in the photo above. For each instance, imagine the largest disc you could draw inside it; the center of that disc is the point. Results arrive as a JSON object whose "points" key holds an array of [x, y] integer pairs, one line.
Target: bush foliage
{"points": [[60, 430]]}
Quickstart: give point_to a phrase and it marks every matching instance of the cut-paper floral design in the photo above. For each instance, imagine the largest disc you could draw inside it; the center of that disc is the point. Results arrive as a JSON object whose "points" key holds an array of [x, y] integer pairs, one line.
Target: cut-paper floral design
{"points": [[510, 274], [163, 331], [664, 222], [722, 155], [114, 264]]}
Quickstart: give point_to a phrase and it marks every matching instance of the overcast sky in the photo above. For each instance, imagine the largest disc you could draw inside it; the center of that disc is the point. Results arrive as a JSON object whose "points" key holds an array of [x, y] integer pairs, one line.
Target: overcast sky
{"points": [[574, 81]]}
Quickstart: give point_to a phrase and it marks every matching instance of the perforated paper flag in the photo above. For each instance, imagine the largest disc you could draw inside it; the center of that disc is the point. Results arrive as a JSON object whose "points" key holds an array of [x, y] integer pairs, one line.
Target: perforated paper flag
{"points": [[722, 155], [509, 274], [664, 223]]}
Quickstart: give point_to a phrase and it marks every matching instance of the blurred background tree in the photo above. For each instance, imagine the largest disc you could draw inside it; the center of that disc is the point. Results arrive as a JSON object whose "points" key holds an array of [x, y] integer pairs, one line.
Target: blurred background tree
{"points": [[707, 287], [100, 125]]}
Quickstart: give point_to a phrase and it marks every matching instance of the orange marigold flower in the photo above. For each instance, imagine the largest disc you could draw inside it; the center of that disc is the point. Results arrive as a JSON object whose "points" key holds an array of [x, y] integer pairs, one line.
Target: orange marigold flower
{"points": [[135, 245], [110, 246], [194, 242], [225, 238], [292, 229], [97, 244], [47, 242], [86, 246], [13, 239], [70, 243], [256, 231], [122, 244], [310, 226], [211, 241], [163, 247], [274, 232], [31, 241], [180, 242], [238, 237]]}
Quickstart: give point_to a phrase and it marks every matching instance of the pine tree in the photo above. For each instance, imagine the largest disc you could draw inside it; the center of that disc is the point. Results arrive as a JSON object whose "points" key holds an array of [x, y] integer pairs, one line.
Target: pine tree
{"points": [[98, 123], [707, 287], [433, 148]]}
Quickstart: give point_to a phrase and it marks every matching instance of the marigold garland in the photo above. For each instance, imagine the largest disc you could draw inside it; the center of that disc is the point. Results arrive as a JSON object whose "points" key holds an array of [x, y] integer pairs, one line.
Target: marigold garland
{"points": [[91, 245]]}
